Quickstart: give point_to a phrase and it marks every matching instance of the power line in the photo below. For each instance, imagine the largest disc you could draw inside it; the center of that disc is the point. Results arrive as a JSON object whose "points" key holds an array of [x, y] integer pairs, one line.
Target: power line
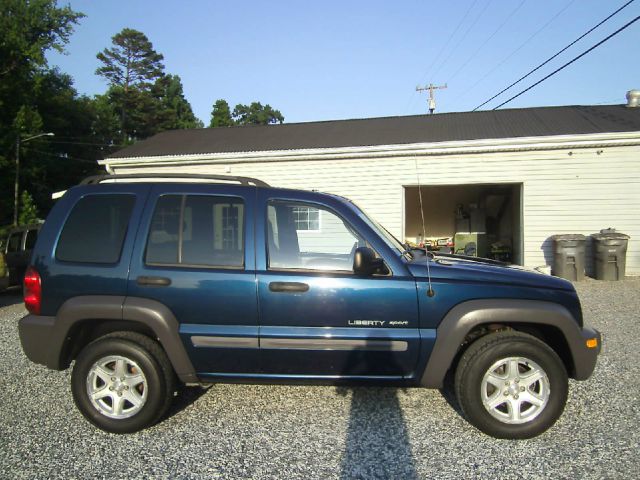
{"points": [[87, 143], [446, 44], [464, 35], [473, 55], [522, 45], [571, 61], [442, 49], [63, 157], [554, 56]]}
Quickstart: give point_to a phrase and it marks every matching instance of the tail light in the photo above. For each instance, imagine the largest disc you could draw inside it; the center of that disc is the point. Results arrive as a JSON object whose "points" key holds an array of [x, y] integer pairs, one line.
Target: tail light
{"points": [[32, 291]]}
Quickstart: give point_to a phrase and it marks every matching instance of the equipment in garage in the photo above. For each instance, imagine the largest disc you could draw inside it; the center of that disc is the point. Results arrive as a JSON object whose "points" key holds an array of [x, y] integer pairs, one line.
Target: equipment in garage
{"points": [[482, 220]]}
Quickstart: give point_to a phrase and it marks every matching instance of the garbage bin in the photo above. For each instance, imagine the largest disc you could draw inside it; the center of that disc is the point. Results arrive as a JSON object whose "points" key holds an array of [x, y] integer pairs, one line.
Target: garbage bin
{"points": [[610, 249], [568, 256]]}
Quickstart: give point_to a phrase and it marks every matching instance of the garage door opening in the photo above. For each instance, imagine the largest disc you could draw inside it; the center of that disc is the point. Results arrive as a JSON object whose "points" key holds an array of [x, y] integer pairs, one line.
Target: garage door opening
{"points": [[478, 220]]}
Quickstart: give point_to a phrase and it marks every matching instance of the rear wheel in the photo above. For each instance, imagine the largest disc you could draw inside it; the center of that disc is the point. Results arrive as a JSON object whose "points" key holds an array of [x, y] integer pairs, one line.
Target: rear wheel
{"points": [[122, 382], [511, 385]]}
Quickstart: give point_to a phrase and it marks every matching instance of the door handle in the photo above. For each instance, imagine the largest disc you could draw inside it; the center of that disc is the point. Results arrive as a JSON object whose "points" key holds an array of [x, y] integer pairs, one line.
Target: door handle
{"points": [[154, 281], [288, 287]]}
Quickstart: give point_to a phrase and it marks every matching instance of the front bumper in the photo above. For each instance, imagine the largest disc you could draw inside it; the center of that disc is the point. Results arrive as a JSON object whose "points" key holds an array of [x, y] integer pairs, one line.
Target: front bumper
{"points": [[584, 357]]}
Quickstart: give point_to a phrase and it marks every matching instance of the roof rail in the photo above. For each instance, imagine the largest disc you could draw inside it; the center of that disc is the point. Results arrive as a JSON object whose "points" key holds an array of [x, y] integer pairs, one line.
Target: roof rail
{"points": [[247, 181]]}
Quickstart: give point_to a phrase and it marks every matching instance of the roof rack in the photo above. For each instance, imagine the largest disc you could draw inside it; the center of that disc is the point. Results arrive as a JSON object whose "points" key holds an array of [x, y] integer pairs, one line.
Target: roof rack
{"points": [[246, 181]]}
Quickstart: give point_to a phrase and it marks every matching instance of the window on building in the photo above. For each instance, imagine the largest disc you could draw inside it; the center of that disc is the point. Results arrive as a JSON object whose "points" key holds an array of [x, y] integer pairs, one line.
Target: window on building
{"points": [[211, 233], [96, 229], [307, 218]]}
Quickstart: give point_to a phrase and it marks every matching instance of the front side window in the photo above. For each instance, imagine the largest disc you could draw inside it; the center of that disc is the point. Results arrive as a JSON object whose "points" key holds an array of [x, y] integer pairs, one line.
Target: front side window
{"points": [[199, 230], [96, 229], [329, 245]]}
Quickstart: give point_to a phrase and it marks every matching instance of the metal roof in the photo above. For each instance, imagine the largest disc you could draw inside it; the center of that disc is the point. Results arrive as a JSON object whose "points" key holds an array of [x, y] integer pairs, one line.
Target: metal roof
{"points": [[490, 124]]}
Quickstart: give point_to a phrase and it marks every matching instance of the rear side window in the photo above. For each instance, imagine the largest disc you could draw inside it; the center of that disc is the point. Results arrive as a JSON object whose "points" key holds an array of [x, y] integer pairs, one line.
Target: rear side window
{"points": [[30, 241], [95, 229], [199, 230], [13, 245]]}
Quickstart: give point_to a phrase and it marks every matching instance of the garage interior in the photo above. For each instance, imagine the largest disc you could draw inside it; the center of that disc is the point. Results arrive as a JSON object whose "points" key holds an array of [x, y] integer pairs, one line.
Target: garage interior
{"points": [[477, 220]]}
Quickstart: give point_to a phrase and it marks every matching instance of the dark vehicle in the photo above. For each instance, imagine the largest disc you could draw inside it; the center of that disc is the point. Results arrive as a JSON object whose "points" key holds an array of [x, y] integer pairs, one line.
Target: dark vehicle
{"points": [[225, 279], [4, 273], [17, 250]]}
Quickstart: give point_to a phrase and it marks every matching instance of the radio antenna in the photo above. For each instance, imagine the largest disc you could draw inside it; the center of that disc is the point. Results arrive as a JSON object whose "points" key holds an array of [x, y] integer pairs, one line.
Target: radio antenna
{"points": [[430, 292]]}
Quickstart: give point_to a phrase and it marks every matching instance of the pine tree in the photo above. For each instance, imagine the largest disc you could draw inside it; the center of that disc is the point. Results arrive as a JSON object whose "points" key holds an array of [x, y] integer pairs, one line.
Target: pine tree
{"points": [[221, 115], [131, 67], [28, 210]]}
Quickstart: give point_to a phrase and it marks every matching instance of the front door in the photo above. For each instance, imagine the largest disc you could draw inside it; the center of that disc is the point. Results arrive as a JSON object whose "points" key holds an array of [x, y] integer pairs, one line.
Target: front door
{"points": [[319, 319], [194, 258]]}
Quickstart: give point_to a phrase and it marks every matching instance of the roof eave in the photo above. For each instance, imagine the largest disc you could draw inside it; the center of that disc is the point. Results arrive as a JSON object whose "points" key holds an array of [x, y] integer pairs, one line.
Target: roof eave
{"points": [[552, 142]]}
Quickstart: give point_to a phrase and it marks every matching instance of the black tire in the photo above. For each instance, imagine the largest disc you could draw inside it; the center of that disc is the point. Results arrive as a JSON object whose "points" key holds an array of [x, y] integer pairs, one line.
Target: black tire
{"points": [[149, 357], [490, 350]]}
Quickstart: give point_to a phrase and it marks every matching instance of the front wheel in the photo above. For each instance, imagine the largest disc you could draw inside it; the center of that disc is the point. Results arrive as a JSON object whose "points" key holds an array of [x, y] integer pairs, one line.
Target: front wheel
{"points": [[511, 385], [123, 382]]}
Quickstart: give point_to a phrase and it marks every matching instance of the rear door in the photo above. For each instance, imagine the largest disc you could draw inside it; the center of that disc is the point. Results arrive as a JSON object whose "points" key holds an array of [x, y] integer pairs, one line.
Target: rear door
{"points": [[14, 257], [317, 318], [193, 256], [85, 246]]}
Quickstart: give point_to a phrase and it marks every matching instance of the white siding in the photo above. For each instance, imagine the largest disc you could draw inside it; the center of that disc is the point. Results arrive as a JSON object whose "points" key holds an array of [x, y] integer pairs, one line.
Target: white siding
{"points": [[333, 236], [565, 191]]}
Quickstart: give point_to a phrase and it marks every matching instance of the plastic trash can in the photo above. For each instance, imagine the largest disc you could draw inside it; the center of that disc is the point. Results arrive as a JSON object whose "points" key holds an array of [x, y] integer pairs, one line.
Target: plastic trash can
{"points": [[610, 254], [568, 256]]}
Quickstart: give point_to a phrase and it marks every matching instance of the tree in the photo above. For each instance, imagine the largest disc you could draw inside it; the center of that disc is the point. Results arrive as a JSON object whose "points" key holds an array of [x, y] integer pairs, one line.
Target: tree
{"points": [[175, 110], [221, 115], [131, 67], [256, 114], [28, 210], [131, 61], [50, 164], [27, 31]]}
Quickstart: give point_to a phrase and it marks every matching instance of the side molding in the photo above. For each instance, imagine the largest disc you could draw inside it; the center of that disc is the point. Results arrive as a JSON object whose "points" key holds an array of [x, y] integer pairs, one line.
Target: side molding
{"points": [[464, 317]]}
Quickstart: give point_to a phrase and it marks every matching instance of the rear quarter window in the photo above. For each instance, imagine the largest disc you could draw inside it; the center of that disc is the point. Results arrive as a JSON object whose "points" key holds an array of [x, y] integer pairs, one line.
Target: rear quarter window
{"points": [[95, 229], [30, 240]]}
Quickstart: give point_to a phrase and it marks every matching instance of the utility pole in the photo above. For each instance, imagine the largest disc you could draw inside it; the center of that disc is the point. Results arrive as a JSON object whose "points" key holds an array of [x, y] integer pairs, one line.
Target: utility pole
{"points": [[431, 87], [16, 187]]}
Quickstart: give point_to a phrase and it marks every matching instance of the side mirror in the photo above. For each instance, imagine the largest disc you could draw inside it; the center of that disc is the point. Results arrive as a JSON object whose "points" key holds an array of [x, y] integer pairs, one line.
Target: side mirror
{"points": [[365, 261]]}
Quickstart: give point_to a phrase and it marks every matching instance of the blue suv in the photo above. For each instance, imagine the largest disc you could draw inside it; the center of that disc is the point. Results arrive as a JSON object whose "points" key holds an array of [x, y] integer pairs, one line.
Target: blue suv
{"points": [[151, 282]]}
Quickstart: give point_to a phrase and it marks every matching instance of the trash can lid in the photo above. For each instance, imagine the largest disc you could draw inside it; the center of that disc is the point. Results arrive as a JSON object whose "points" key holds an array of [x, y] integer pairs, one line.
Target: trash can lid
{"points": [[610, 235], [568, 236]]}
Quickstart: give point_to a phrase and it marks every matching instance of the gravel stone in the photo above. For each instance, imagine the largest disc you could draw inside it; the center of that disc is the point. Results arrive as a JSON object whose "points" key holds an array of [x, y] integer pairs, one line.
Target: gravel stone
{"points": [[270, 431]]}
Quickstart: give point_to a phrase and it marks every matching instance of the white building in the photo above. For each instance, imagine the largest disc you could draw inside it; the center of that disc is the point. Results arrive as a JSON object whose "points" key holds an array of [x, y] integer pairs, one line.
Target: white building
{"points": [[524, 174]]}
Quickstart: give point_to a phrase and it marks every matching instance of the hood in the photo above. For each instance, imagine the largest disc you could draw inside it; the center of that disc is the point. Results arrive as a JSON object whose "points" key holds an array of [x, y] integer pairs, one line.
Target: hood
{"points": [[469, 269]]}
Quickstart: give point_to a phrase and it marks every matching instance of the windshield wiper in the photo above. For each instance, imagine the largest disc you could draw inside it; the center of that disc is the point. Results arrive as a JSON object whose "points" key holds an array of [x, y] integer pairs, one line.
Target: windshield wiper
{"points": [[423, 250]]}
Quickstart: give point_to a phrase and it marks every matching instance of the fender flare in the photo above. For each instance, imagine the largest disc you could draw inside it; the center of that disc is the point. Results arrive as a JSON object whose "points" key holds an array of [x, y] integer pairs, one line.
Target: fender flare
{"points": [[153, 314], [462, 318]]}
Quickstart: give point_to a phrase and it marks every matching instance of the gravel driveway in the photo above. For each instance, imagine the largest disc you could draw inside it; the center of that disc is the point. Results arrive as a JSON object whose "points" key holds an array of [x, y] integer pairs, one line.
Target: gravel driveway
{"points": [[233, 431]]}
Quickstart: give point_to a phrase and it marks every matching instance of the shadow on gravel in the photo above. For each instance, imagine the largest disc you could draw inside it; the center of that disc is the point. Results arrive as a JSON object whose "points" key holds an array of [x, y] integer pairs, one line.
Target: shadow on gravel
{"points": [[448, 392], [186, 396], [11, 296], [377, 444]]}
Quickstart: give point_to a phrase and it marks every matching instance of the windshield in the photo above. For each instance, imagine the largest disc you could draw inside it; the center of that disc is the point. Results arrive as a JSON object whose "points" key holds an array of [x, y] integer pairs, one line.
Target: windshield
{"points": [[389, 239]]}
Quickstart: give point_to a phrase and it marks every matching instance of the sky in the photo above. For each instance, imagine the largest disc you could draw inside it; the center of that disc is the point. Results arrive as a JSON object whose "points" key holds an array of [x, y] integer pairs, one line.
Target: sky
{"points": [[330, 59]]}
